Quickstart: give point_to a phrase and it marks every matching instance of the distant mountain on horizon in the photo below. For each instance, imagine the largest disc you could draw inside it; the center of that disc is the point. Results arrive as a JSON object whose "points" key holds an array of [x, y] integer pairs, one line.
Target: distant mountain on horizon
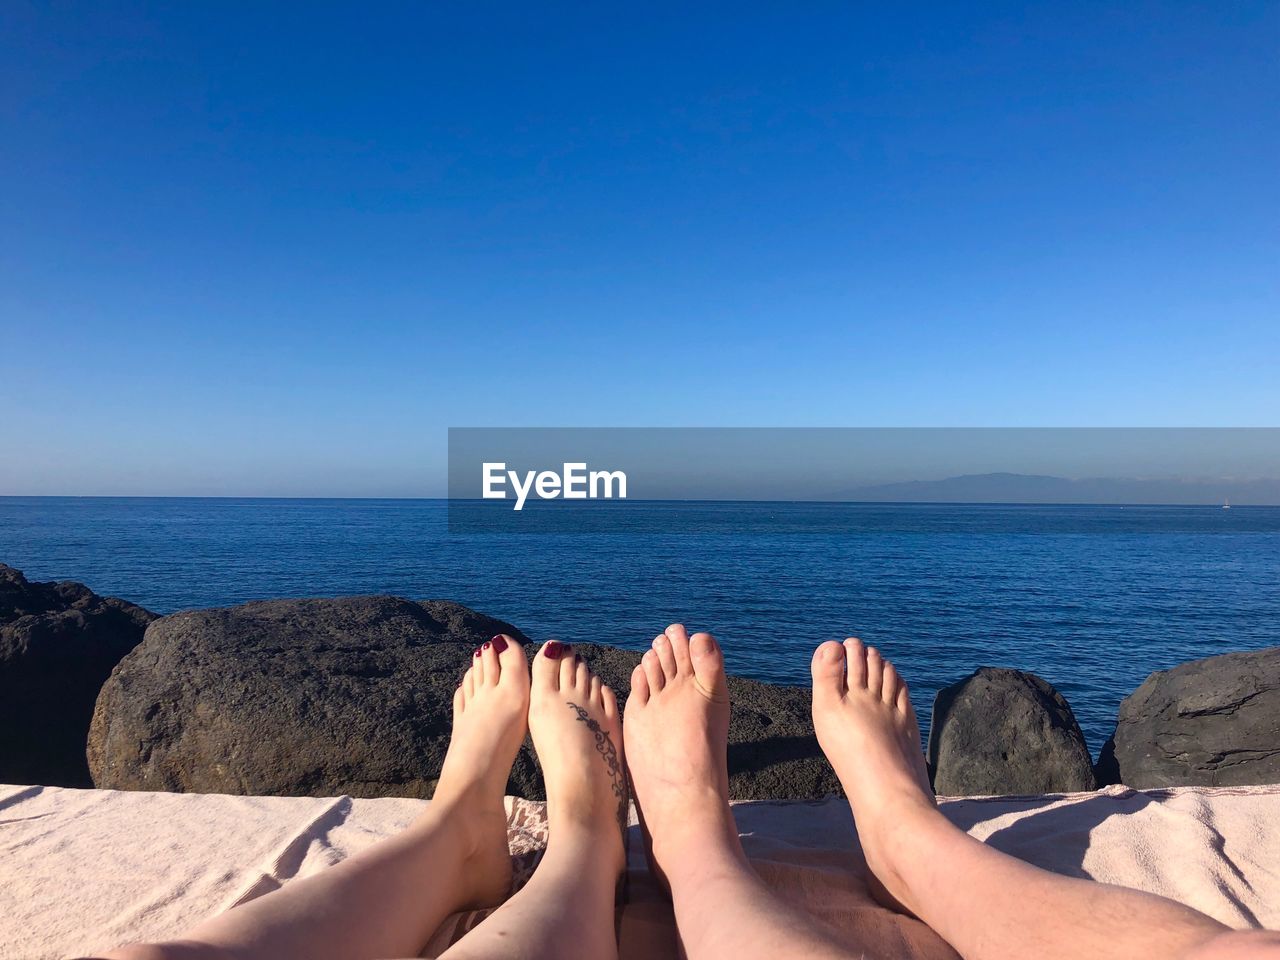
{"points": [[1033, 488]]}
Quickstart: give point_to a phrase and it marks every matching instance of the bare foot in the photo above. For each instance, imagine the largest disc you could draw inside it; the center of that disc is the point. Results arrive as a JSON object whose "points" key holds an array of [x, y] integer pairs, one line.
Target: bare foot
{"points": [[576, 730], [868, 730], [490, 708], [677, 730]]}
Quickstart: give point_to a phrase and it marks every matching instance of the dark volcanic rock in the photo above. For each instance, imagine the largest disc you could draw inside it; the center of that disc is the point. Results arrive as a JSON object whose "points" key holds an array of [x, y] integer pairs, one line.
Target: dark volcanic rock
{"points": [[353, 695], [1006, 732], [58, 643], [1212, 722], [290, 697]]}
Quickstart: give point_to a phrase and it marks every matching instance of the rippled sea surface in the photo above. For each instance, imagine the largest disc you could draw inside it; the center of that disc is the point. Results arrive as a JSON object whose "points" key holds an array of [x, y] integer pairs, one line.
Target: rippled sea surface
{"points": [[1091, 598]]}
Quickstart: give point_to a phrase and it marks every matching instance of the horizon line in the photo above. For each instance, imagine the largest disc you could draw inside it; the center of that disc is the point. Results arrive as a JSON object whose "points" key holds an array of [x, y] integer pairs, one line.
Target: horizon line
{"points": [[602, 505]]}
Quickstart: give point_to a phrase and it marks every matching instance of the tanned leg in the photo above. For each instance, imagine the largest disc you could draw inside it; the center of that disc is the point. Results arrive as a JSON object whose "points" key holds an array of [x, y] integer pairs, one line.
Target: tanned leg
{"points": [[567, 909], [388, 900], [987, 905], [677, 728]]}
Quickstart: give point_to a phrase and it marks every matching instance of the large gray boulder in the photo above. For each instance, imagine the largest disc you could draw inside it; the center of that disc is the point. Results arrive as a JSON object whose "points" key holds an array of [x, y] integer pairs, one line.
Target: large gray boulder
{"points": [[354, 695], [58, 643], [1212, 722], [289, 697], [1004, 731]]}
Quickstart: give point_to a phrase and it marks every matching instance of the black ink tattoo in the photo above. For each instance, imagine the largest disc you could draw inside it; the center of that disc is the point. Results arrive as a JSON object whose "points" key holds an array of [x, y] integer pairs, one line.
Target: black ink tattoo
{"points": [[609, 753]]}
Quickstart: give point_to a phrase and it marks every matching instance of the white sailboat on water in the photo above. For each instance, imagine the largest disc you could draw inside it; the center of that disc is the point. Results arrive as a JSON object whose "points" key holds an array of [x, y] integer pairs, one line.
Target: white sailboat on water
{"points": [[1226, 503]]}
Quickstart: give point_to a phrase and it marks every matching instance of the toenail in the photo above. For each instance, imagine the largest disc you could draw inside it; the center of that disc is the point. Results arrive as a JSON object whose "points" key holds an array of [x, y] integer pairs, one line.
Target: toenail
{"points": [[487, 645], [553, 649], [477, 653], [499, 644]]}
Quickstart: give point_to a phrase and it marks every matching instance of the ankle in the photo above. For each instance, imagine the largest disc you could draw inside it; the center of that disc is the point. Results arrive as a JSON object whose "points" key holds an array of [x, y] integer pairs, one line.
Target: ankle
{"points": [[459, 823], [696, 816], [591, 815], [699, 852], [915, 834], [916, 815], [694, 871], [588, 850]]}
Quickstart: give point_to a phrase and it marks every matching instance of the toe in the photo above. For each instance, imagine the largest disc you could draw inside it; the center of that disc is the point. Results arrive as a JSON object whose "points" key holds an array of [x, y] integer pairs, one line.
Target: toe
{"points": [[477, 666], [458, 701], [489, 664], [653, 671], [582, 681], [708, 666], [568, 668], [610, 702], [546, 665], [597, 685], [855, 655], [666, 655], [513, 666], [639, 687], [875, 672], [829, 671], [680, 647], [891, 685], [904, 701], [469, 683]]}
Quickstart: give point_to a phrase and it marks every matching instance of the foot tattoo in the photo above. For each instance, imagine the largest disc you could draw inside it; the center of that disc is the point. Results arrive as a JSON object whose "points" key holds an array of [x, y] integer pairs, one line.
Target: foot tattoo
{"points": [[609, 753]]}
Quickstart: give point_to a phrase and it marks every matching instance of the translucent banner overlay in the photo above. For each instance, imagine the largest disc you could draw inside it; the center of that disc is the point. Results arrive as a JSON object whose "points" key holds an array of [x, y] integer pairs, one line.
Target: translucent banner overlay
{"points": [[793, 480]]}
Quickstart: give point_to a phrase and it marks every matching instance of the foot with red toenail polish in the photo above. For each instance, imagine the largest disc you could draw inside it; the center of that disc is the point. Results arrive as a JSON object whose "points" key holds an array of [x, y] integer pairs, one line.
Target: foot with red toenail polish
{"points": [[490, 711], [577, 731]]}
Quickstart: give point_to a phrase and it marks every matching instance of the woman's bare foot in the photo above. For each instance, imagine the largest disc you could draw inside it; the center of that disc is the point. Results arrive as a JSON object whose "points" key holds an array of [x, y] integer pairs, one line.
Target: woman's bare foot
{"points": [[567, 907], [865, 724], [677, 733], [576, 730], [490, 708], [677, 730]]}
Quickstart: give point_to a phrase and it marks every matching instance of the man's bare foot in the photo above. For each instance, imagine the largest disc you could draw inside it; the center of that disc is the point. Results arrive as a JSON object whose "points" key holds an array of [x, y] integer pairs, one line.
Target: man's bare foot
{"points": [[576, 730], [865, 725], [677, 731], [490, 708]]}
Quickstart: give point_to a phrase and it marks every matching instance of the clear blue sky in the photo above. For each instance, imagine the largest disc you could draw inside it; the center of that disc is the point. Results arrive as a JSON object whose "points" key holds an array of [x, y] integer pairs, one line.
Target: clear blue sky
{"points": [[258, 249]]}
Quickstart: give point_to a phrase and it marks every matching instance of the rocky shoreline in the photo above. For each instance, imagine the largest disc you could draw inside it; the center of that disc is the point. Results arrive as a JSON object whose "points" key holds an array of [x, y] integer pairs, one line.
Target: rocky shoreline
{"points": [[352, 696]]}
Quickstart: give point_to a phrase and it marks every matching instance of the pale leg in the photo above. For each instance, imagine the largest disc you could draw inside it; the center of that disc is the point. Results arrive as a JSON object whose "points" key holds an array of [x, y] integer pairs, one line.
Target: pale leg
{"points": [[567, 908], [677, 727], [387, 901], [986, 904]]}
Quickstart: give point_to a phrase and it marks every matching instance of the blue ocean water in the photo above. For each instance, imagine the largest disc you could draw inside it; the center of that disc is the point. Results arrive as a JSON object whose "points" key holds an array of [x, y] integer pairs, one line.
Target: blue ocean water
{"points": [[1091, 598]]}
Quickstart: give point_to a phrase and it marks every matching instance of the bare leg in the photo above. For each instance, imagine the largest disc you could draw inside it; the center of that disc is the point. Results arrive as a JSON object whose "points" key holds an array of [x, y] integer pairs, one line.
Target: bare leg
{"points": [[567, 908], [387, 901], [987, 905], [677, 728]]}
